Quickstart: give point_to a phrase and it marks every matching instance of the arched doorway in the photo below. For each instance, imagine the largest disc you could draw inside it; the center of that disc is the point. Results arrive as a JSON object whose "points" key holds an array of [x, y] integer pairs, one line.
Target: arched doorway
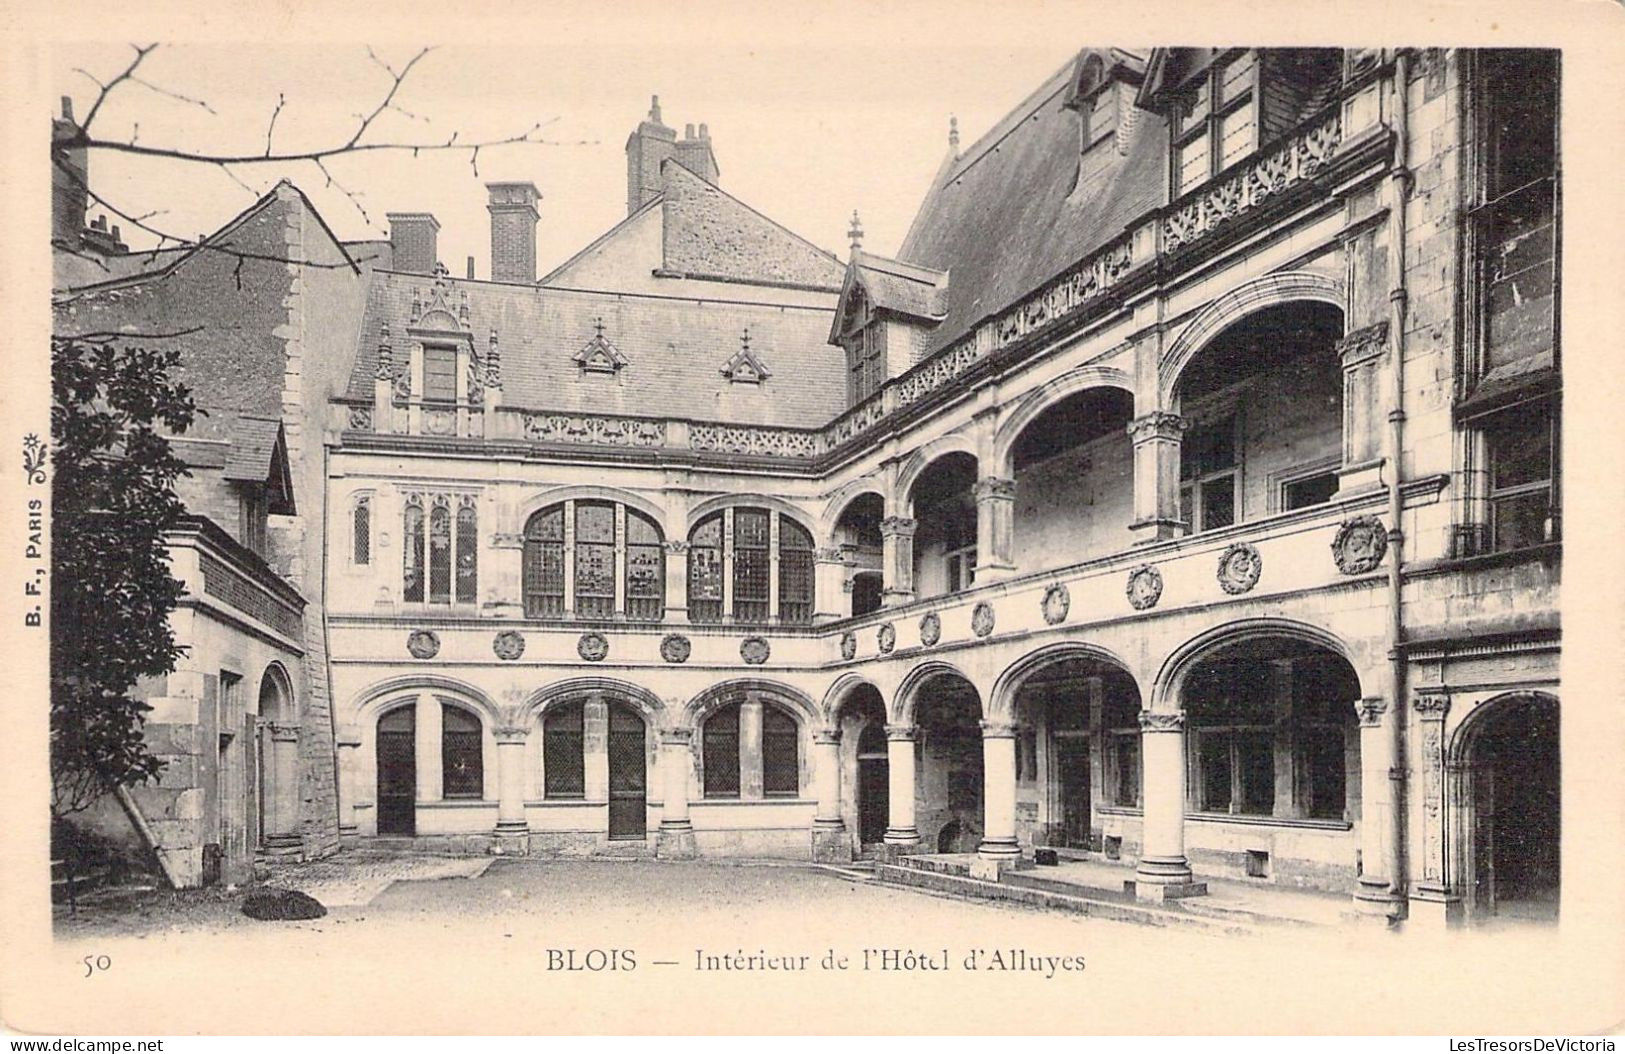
{"points": [[1511, 805], [865, 782], [628, 773], [949, 792], [397, 771], [273, 801]]}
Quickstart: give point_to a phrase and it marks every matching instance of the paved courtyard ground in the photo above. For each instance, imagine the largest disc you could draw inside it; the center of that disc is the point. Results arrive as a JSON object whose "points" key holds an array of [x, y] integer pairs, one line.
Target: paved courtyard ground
{"points": [[429, 944]]}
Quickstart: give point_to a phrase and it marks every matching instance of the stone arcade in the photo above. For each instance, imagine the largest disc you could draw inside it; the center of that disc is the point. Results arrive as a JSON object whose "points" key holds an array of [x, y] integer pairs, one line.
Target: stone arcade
{"points": [[1184, 494]]}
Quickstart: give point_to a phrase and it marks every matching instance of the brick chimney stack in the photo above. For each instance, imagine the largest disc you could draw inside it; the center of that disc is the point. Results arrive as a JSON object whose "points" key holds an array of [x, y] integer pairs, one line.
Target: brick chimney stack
{"points": [[70, 176], [414, 241], [513, 231], [646, 149], [694, 153]]}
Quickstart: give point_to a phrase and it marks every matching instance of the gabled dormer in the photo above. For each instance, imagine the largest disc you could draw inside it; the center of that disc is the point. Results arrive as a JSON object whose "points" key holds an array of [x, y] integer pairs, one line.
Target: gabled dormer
{"points": [[884, 318], [599, 355], [257, 469], [746, 366], [1102, 91]]}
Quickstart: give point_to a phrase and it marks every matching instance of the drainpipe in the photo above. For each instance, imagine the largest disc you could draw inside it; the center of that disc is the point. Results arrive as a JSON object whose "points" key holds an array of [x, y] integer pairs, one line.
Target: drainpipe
{"points": [[1399, 182]]}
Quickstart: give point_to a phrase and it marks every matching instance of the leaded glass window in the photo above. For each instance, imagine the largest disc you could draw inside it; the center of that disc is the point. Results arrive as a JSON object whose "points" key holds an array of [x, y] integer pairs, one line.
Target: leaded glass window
{"points": [[412, 573], [361, 531], [467, 552], [795, 572], [781, 766], [462, 766], [440, 374], [544, 564], [705, 570], [752, 564], [595, 559], [440, 550], [645, 568]]}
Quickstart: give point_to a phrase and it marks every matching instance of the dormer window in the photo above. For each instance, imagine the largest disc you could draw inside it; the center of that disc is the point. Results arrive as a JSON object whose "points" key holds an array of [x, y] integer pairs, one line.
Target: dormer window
{"points": [[439, 374], [600, 355], [1215, 121], [746, 367]]}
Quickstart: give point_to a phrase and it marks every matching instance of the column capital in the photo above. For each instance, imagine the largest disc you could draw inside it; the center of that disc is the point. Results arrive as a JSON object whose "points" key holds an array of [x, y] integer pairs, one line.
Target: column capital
{"points": [[676, 737], [347, 736], [903, 733], [826, 737], [1370, 710], [898, 526], [284, 733], [1162, 721], [1158, 424], [1431, 706], [998, 730], [676, 546], [510, 733], [994, 488], [1363, 344]]}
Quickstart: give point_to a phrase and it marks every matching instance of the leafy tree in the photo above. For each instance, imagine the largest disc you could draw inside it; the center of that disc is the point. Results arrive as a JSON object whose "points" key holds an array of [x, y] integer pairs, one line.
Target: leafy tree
{"points": [[111, 592]]}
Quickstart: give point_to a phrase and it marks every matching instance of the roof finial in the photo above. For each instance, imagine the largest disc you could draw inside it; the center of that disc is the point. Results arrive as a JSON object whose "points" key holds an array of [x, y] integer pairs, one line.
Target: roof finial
{"points": [[953, 133], [855, 232], [744, 339], [598, 324], [654, 109]]}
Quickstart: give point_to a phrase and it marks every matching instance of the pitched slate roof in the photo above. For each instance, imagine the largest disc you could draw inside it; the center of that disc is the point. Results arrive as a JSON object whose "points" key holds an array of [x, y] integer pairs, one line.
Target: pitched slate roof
{"points": [[1003, 219], [675, 349]]}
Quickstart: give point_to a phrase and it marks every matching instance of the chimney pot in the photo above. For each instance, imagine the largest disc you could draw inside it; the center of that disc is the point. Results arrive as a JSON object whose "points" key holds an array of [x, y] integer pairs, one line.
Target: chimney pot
{"points": [[67, 108], [688, 131], [471, 268], [705, 132], [414, 241]]}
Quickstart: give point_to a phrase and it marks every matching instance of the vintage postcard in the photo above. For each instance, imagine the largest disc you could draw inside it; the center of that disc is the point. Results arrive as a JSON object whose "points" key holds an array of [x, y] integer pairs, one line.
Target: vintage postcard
{"points": [[1035, 518]]}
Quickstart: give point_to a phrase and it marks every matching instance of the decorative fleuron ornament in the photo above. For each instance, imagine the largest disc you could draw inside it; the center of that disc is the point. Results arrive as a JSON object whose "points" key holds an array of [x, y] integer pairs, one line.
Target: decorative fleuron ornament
{"points": [[930, 628], [592, 647], [1360, 545], [508, 645], [1144, 587], [754, 650], [423, 643], [886, 638], [599, 355], [1239, 568], [849, 645], [675, 648], [981, 619], [855, 233], [1057, 602], [746, 367]]}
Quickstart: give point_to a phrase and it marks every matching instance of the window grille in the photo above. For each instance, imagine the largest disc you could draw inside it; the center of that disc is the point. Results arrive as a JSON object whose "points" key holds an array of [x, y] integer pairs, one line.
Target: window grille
{"points": [[461, 761], [361, 531], [781, 763], [720, 753], [564, 766], [752, 564]]}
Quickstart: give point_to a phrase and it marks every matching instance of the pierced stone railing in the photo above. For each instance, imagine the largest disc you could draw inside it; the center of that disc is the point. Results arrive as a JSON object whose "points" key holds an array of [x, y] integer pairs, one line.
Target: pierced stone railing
{"points": [[594, 429], [1293, 162]]}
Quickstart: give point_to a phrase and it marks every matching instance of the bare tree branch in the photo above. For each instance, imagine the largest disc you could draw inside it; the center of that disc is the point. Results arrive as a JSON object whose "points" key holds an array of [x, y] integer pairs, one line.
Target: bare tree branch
{"points": [[107, 89], [177, 96]]}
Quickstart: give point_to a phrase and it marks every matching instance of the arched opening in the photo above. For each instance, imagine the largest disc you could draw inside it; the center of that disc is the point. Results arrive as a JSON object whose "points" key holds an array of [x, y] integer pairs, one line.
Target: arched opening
{"points": [[397, 771], [750, 748], [948, 793], [732, 557], [594, 559], [1077, 755], [462, 764], [273, 801], [1263, 407], [1273, 755], [865, 763], [944, 501], [628, 773], [857, 536], [1512, 801], [1074, 473]]}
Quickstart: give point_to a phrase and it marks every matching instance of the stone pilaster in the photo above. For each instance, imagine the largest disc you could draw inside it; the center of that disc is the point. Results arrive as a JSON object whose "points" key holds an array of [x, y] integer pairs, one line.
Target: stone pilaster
{"points": [[897, 559], [1434, 903], [427, 740], [1156, 438], [901, 835], [830, 600], [675, 839], [1363, 354], [750, 747], [995, 528], [999, 848], [595, 746], [512, 830], [676, 581], [1374, 894], [347, 739], [830, 843], [1163, 872]]}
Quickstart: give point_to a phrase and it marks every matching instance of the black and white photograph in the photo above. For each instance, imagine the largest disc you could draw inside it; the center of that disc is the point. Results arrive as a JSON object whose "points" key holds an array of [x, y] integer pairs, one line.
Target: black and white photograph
{"points": [[818, 520]]}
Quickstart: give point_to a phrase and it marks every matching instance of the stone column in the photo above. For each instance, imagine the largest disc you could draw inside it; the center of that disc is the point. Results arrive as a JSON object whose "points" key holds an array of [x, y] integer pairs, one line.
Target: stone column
{"points": [[595, 747], [1434, 903], [427, 741], [999, 847], [830, 843], [750, 747], [1156, 437], [995, 528], [675, 840], [504, 570], [282, 804], [901, 834], [897, 541], [1163, 872], [348, 740], [1363, 353], [512, 830], [1374, 894], [829, 575]]}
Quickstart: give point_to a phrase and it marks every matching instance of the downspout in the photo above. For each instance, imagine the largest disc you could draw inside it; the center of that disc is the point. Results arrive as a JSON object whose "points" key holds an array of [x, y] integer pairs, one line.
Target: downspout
{"points": [[144, 830], [1399, 181]]}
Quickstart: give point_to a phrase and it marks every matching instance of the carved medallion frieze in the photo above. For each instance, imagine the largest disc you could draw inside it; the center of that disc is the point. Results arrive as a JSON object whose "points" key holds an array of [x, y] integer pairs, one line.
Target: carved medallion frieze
{"points": [[981, 619], [1360, 545], [675, 648], [508, 645], [1057, 602], [423, 643], [1144, 587], [1239, 568], [592, 647], [886, 638], [755, 650], [930, 628], [849, 645]]}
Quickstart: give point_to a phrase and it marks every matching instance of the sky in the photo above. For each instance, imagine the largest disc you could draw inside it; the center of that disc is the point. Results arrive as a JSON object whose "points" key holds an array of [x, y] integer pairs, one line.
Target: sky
{"points": [[809, 120]]}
